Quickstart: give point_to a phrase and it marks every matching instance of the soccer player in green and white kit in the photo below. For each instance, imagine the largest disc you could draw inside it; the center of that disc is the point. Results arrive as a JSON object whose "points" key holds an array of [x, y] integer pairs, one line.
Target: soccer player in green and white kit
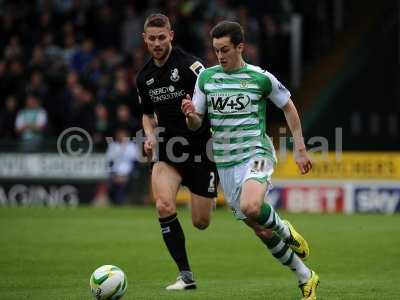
{"points": [[234, 95]]}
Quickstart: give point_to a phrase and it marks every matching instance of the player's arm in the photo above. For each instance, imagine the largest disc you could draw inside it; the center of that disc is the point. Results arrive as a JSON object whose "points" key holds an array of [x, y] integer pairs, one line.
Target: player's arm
{"points": [[149, 123], [280, 96], [193, 119], [292, 118]]}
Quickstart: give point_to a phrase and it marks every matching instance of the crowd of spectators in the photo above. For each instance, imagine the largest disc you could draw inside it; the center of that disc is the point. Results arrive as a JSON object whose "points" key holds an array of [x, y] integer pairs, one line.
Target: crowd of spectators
{"points": [[70, 63]]}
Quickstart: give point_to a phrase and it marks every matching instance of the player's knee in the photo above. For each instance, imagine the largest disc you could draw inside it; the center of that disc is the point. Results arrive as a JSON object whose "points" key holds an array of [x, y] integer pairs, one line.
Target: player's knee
{"points": [[250, 210], [201, 223], [165, 207]]}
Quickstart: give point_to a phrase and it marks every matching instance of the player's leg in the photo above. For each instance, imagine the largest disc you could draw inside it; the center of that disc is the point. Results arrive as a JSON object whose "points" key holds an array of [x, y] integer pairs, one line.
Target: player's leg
{"points": [[235, 192], [201, 210], [165, 184], [202, 181], [281, 251], [266, 223], [308, 279], [254, 206], [259, 212], [196, 178], [165, 181]]}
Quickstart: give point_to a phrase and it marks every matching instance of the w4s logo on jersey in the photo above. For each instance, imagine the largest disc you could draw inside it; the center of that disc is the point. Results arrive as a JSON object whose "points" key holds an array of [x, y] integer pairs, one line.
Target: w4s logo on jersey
{"points": [[226, 104]]}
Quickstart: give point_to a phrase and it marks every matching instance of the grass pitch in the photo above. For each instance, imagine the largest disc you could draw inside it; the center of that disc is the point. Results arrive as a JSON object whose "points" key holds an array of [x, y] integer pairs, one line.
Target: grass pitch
{"points": [[50, 254]]}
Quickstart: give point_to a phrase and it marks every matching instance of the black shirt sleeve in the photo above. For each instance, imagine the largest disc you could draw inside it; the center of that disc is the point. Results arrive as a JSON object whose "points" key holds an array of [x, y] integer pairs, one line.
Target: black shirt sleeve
{"points": [[144, 100]]}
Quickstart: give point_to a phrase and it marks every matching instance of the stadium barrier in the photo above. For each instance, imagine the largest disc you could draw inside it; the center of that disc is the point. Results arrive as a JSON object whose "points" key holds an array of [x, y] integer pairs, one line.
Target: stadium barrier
{"points": [[354, 182], [49, 179]]}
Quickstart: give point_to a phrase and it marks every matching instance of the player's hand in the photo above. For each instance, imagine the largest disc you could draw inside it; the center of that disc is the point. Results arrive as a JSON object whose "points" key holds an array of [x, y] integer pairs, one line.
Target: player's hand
{"points": [[187, 106], [148, 146], [303, 161]]}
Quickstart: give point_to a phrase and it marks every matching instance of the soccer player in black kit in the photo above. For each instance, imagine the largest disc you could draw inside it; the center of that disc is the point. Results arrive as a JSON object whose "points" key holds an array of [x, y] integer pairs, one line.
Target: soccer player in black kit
{"points": [[182, 159]]}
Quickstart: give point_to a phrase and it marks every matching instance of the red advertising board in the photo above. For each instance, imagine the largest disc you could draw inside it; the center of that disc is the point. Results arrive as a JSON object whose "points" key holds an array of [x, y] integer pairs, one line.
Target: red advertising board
{"points": [[315, 199]]}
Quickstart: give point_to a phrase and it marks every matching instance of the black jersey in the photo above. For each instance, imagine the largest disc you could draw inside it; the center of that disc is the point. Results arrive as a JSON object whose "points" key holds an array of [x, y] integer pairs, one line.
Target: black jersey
{"points": [[161, 90]]}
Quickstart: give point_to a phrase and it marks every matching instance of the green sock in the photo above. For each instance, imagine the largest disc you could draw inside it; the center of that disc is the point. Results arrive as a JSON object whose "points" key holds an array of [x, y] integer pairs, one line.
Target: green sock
{"points": [[281, 251], [270, 219]]}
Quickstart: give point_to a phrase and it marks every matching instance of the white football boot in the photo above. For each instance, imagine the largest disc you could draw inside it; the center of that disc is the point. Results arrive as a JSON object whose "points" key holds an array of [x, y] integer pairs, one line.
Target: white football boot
{"points": [[183, 282]]}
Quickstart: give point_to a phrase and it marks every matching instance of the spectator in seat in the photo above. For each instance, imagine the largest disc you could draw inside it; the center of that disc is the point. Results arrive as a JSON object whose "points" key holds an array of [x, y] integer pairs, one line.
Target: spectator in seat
{"points": [[83, 56], [30, 124], [38, 86], [121, 156], [124, 119]]}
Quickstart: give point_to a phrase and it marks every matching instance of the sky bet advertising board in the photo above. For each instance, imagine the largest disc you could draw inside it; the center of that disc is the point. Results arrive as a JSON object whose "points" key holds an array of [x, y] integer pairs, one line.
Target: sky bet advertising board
{"points": [[377, 199]]}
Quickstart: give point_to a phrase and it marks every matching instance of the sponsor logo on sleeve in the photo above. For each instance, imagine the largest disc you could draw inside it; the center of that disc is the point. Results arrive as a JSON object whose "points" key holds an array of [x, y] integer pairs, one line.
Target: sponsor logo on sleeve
{"points": [[197, 67], [150, 81]]}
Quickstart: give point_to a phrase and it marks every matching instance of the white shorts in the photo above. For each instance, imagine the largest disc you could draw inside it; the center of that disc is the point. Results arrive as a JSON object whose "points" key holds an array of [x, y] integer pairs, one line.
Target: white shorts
{"points": [[232, 179]]}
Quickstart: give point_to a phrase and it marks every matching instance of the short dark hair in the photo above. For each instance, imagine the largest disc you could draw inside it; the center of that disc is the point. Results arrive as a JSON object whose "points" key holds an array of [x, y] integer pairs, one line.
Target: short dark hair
{"points": [[157, 20], [228, 28]]}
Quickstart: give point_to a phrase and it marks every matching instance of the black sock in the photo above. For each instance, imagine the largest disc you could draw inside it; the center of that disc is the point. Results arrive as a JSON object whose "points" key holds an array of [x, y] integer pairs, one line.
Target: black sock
{"points": [[174, 238]]}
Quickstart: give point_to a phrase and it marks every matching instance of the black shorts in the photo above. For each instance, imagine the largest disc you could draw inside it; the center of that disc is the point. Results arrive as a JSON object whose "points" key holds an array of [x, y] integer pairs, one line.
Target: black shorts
{"points": [[200, 179], [199, 173]]}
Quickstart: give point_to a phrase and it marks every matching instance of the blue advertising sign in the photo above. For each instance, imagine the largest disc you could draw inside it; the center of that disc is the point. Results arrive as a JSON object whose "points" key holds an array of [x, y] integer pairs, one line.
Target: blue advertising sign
{"points": [[377, 199]]}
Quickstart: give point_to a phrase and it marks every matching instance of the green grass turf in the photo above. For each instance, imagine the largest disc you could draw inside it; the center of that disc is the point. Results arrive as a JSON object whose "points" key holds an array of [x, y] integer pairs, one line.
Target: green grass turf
{"points": [[50, 254]]}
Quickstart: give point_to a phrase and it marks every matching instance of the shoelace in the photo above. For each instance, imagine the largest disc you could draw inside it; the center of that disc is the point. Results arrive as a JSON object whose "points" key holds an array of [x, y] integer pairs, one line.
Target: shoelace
{"points": [[306, 293]]}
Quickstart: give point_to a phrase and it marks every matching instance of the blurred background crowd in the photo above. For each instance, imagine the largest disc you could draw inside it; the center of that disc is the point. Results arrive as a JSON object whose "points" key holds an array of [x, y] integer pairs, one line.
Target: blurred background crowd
{"points": [[67, 63]]}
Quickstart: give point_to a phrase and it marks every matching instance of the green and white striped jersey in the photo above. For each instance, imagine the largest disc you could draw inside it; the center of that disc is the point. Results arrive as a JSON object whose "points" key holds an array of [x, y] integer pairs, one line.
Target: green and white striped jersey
{"points": [[236, 106]]}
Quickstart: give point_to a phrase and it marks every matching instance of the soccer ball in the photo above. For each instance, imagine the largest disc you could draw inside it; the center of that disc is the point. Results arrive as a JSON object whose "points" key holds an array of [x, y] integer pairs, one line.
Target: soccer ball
{"points": [[108, 283]]}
